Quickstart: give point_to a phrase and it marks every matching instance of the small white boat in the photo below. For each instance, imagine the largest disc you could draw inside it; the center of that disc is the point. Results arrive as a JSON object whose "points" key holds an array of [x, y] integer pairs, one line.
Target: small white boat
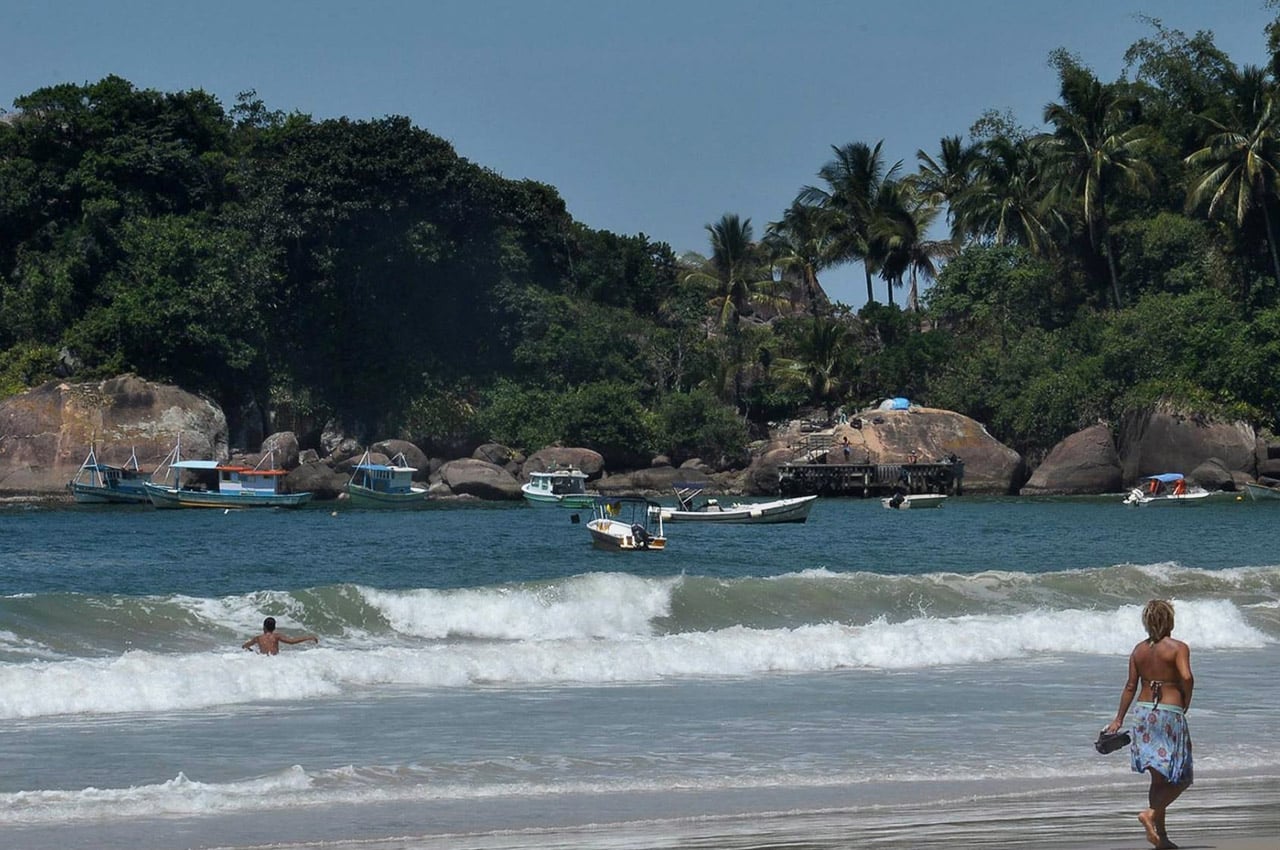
{"points": [[794, 509], [100, 483], [1167, 488], [379, 485], [916, 501], [1261, 492], [626, 524], [560, 486]]}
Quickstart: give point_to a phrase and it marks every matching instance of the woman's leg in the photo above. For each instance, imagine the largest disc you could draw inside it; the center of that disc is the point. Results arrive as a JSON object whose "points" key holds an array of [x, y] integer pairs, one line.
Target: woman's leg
{"points": [[1161, 794]]}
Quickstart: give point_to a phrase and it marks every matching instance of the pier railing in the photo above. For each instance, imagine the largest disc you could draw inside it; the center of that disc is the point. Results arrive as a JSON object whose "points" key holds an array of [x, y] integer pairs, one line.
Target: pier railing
{"points": [[866, 480]]}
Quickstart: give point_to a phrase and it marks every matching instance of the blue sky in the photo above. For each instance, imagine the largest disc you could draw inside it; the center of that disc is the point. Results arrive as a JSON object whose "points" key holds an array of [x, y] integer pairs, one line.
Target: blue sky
{"points": [[650, 117]]}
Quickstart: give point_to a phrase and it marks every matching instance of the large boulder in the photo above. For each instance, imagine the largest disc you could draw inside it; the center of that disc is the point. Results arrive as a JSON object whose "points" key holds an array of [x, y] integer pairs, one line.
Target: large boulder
{"points": [[930, 435], [413, 456], [46, 433], [283, 448], [1167, 440], [471, 477], [319, 479], [588, 460], [1086, 463]]}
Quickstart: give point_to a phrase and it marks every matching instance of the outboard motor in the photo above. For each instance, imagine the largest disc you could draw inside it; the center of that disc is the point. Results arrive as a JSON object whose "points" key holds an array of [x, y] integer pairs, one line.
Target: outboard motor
{"points": [[641, 535]]}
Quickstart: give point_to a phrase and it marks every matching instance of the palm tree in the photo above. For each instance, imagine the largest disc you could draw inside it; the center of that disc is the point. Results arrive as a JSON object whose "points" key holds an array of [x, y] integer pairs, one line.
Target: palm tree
{"points": [[946, 178], [1095, 146], [1005, 202], [899, 236], [853, 178], [734, 267], [818, 361], [801, 243], [1240, 162]]}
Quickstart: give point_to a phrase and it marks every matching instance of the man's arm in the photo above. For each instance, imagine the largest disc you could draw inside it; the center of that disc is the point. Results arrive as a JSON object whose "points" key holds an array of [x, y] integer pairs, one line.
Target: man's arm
{"points": [[249, 643], [302, 639]]}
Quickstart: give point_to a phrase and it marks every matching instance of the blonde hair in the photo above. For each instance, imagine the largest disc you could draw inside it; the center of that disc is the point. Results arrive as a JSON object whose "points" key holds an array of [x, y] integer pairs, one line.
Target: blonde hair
{"points": [[1157, 619]]}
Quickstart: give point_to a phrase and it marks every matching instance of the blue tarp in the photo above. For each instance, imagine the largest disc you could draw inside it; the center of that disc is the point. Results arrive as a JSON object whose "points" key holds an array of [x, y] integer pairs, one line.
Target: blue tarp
{"points": [[898, 404], [1166, 477]]}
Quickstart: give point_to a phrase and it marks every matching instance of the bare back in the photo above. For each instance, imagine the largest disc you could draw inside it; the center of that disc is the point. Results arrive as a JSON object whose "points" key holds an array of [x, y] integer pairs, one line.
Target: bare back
{"points": [[1164, 668]]}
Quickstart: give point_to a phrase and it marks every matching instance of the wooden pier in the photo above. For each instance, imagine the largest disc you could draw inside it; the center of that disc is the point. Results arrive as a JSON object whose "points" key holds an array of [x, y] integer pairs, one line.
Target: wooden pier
{"points": [[868, 480]]}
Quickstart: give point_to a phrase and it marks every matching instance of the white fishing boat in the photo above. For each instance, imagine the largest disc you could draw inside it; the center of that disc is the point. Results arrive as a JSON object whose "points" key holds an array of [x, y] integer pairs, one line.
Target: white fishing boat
{"points": [[101, 483], [914, 502], [1262, 491], [1167, 488], [381, 485], [560, 486], [689, 509], [626, 524]]}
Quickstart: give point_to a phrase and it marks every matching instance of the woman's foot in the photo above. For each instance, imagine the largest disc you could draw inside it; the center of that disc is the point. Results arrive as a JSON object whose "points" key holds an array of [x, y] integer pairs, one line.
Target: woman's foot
{"points": [[1147, 817]]}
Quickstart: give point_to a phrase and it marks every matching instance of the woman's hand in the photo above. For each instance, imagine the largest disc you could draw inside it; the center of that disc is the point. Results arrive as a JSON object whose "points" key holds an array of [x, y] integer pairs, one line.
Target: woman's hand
{"points": [[1113, 725]]}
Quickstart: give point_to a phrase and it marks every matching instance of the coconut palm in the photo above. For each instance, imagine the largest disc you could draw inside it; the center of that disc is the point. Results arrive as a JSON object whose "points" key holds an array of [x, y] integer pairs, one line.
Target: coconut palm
{"points": [[946, 178], [1004, 204], [734, 273], [818, 361], [1095, 149], [801, 244], [853, 179], [1239, 165], [899, 235]]}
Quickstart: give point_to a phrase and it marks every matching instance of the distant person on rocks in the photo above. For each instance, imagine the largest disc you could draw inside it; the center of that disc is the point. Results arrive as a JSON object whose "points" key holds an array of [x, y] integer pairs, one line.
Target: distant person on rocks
{"points": [[1160, 676], [268, 642], [848, 449]]}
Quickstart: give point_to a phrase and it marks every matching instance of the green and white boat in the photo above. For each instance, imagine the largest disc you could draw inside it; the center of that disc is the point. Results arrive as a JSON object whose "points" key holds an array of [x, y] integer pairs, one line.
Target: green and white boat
{"points": [[380, 485], [563, 486]]}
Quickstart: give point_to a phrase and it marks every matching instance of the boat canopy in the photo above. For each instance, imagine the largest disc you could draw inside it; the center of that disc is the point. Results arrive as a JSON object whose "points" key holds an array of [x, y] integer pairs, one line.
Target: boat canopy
{"points": [[195, 464], [1165, 477]]}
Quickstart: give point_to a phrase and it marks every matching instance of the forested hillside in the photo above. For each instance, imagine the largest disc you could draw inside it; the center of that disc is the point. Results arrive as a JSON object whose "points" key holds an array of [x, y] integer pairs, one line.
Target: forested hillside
{"points": [[299, 271]]}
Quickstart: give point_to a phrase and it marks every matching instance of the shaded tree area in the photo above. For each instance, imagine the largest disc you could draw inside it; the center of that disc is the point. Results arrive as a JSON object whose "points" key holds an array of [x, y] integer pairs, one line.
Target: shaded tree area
{"points": [[1120, 252]]}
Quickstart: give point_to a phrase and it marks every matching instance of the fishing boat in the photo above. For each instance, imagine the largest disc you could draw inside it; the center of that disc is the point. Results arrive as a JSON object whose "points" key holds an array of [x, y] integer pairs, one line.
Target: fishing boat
{"points": [[627, 524], [223, 485], [100, 483], [915, 501], [689, 509], [380, 485], [561, 486], [1167, 488]]}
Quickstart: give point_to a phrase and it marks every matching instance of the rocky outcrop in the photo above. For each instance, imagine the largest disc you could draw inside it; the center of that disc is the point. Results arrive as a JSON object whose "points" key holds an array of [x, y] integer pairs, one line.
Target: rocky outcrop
{"points": [[470, 477], [319, 479], [656, 480], [283, 448], [1085, 463], [413, 456], [925, 434], [1166, 440], [45, 433], [589, 461]]}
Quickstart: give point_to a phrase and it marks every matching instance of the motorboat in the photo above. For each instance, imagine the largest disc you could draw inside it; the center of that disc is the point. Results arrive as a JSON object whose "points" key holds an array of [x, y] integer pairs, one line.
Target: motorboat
{"points": [[560, 486], [101, 483], [914, 501], [627, 524], [690, 509], [381, 485], [1167, 488], [1263, 491]]}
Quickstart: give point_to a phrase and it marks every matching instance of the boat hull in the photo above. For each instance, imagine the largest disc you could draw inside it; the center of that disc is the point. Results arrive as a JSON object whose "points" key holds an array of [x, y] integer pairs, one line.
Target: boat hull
{"points": [[915, 502], [170, 497], [363, 497], [87, 494], [619, 536], [1262, 493], [574, 501], [780, 511]]}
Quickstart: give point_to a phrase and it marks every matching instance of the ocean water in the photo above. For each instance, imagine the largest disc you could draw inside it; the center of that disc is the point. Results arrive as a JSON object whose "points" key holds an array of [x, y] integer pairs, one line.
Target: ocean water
{"points": [[485, 678]]}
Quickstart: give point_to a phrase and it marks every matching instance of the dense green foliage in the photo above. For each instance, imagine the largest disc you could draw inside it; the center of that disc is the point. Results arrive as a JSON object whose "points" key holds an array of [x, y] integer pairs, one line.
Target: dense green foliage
{"points": [[361, 272]]}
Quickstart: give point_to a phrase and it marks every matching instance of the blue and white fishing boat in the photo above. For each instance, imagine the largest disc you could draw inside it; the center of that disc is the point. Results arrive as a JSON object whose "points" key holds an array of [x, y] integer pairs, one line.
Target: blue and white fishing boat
{"points": [[380, 485], [223, 486], [101, 483]]}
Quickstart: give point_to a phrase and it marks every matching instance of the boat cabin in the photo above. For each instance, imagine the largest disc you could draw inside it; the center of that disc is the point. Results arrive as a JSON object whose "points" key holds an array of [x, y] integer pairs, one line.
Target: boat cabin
{"points": [[559, 482], [381, 478]]}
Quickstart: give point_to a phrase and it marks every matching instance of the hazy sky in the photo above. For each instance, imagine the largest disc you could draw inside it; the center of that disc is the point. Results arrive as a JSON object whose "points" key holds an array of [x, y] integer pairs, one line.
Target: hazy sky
{"points": [[649, 116]]}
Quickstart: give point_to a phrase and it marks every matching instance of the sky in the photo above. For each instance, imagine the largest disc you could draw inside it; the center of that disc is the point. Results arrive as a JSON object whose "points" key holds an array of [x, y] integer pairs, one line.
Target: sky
{"points": [[648, 116]]}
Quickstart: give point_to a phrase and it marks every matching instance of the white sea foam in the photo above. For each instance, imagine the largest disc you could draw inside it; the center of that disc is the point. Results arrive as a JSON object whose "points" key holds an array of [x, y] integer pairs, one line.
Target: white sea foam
{"points": [[140, 681], [598, 605]]}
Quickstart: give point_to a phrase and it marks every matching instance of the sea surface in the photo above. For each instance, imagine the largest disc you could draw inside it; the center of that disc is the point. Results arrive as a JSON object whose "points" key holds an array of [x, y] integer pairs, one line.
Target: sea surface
{"points": [[484, 678]]}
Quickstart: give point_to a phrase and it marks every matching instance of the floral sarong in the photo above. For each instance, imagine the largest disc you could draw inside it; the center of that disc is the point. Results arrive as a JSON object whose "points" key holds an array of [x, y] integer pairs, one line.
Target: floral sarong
{"points": [[1161, 740]]}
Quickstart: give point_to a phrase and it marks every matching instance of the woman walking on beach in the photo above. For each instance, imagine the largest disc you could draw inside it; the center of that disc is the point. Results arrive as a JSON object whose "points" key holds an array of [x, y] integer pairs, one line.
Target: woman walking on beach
{"points": [[1160, 677]]}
